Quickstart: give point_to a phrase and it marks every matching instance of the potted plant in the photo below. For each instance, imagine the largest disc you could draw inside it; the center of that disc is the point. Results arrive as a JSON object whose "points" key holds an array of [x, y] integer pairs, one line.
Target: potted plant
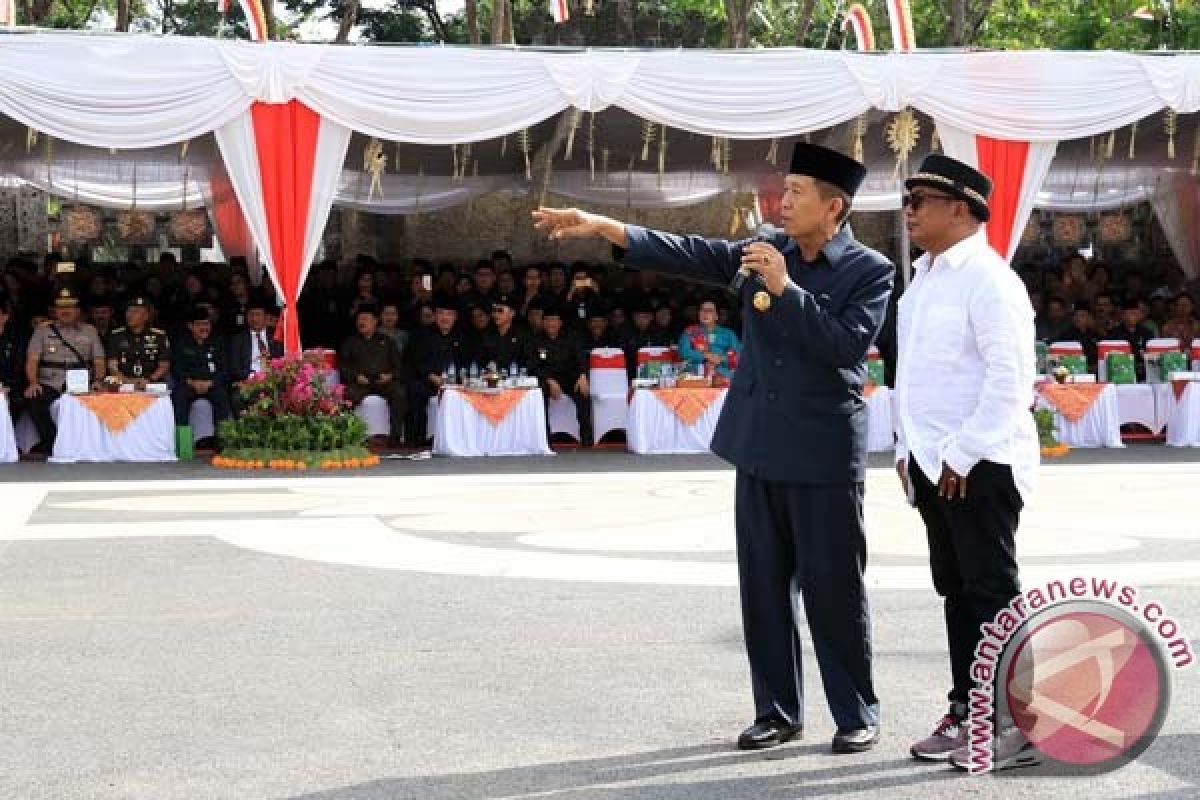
{"points": [[294, 417]]}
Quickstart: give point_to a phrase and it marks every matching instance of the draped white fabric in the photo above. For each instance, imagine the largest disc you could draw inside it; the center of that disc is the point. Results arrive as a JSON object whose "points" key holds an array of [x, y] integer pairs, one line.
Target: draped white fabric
{"points": [[1176, 205], [460, 430], [962, 145], [83, 437], [332, 141], [1183, 429], [1100, 426], [1136, 404], [8, 437], [236, 143], [95, 89], [654, 429]]}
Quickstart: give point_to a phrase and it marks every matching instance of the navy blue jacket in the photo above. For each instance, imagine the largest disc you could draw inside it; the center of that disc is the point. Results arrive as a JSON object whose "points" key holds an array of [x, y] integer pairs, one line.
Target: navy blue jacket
{"points": [[795, 412]]}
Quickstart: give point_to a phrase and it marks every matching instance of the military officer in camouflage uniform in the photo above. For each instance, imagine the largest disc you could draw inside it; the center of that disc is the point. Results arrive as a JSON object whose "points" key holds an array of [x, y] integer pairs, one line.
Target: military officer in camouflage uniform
{"points": [[63, 344], [137, 353], [199, 369]]}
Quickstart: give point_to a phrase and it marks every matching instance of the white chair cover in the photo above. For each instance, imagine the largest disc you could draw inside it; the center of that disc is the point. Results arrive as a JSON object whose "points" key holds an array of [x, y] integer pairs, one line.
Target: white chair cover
{"points": [[1183, 429], [8, 435], [562, 417], [881, 434], [201, 420], [26, 434], [373, 410], [655, 430], [461, 431], [1099, 427], [1136, 404], [82, 437], [608, 381]]}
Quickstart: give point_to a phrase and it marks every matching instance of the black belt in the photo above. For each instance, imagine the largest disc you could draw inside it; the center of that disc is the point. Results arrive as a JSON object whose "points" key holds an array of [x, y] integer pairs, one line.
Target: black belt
{"points": [[61, 365]]}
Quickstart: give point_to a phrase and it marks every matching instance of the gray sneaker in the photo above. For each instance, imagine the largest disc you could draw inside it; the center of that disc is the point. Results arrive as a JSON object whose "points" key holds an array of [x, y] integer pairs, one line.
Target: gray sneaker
{"points": [[949, 735], [1010, 750]]}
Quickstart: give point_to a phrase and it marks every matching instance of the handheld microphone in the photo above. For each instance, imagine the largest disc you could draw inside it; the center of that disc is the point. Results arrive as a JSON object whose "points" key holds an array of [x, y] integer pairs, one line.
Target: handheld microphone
{"points": [[765, 232]]}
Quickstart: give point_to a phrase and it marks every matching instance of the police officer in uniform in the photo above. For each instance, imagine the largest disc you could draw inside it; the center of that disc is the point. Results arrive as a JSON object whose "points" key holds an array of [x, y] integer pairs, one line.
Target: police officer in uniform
{"points": [[794, 424], [371, 364], [138, 353], [199, 369], [63, 344], [505, 344], [560, 365]]}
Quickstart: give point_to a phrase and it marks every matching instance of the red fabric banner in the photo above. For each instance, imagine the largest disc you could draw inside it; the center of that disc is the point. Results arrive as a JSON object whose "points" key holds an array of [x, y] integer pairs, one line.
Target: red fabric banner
{"points": [[286, 137], [228, 218], [1004, 162]]}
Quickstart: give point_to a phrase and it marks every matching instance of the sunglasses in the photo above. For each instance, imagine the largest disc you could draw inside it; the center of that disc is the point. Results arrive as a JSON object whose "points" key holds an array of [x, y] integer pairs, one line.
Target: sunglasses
{"points": [[915, 200]]}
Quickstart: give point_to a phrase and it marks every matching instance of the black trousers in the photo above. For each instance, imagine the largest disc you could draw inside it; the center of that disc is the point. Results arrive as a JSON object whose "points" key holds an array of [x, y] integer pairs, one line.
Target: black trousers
{"points": [[972, 554], [583, 410], [417, 417], [183, 396], [805, 542], [39, 413]]}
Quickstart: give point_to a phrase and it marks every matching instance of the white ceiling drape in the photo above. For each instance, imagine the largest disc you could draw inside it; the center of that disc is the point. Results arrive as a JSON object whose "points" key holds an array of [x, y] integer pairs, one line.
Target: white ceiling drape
{"points": [[139, 91]]}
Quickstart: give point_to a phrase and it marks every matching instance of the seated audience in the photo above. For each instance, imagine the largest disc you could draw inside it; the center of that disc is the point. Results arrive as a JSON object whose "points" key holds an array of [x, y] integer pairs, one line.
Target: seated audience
{"points": [[199, 370], [707, 343], [370, 365]]}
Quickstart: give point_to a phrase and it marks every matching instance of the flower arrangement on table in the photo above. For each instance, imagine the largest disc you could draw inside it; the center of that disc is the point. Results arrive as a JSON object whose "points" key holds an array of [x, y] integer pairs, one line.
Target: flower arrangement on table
{"points": [[1050, 445], [294, 417]]}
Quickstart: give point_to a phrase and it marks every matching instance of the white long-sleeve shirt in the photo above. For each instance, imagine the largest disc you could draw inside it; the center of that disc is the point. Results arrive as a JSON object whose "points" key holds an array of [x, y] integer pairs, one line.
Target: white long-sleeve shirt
{"points": [[965, 373]]}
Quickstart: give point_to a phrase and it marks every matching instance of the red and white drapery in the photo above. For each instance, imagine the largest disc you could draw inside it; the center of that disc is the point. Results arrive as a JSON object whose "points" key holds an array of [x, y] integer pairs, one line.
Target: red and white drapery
{"points": [[284, 161], [1017, 170]]}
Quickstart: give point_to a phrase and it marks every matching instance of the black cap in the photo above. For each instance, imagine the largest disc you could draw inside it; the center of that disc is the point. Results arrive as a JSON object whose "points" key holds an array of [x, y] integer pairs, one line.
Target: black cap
{"points": [[139, 301], [258, 300], [505, 300], [443, 301], [827, 165], [1082, 306], [955, 178], [367, 308], [597, 309], [101, 301], [552, 308], [66, 298], [1131, 304], [198, 314]]}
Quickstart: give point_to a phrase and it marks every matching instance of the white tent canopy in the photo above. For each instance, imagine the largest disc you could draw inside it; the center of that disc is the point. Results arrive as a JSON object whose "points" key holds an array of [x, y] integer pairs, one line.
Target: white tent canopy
{"points": [[138, 91], [150, 94]]}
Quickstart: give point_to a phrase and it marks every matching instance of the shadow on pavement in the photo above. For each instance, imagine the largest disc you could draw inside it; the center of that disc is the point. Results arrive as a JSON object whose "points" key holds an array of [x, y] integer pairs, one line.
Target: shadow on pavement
{"points": [[608, 778]]}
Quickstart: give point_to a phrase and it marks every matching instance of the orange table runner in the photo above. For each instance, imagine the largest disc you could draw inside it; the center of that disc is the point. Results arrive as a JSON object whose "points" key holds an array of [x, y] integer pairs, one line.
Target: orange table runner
{"points": [[1072, 400], [688, 404], [117, 411], [495, 407]]}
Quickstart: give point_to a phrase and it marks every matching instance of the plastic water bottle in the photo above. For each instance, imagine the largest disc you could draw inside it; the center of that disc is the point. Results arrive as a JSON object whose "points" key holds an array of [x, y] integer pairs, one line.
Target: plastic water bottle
{"points": [[446, 377], [474, 371], [512, 370]]}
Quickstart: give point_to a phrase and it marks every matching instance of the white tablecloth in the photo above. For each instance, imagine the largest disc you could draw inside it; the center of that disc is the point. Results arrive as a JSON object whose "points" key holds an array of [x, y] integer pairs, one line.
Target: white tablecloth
{"points": [[8, 437], [1099, 427], [1183, 429], [654, 429], [881, 433], [82, 437], [460, 430], [1136, 403]]}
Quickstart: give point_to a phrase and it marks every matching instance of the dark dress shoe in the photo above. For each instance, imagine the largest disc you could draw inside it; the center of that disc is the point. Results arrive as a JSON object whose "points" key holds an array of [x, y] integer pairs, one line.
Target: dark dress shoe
{"points": [[769, 733], [856, 740]]}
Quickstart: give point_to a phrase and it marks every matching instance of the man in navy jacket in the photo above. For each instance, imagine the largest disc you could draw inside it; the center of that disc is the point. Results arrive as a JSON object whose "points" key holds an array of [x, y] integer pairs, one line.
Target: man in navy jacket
{"points": [[795, 426]]}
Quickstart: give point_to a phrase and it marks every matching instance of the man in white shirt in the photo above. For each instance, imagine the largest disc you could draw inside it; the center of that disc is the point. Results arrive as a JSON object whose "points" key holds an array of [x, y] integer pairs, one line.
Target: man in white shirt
{"points": [[967, 449]]}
